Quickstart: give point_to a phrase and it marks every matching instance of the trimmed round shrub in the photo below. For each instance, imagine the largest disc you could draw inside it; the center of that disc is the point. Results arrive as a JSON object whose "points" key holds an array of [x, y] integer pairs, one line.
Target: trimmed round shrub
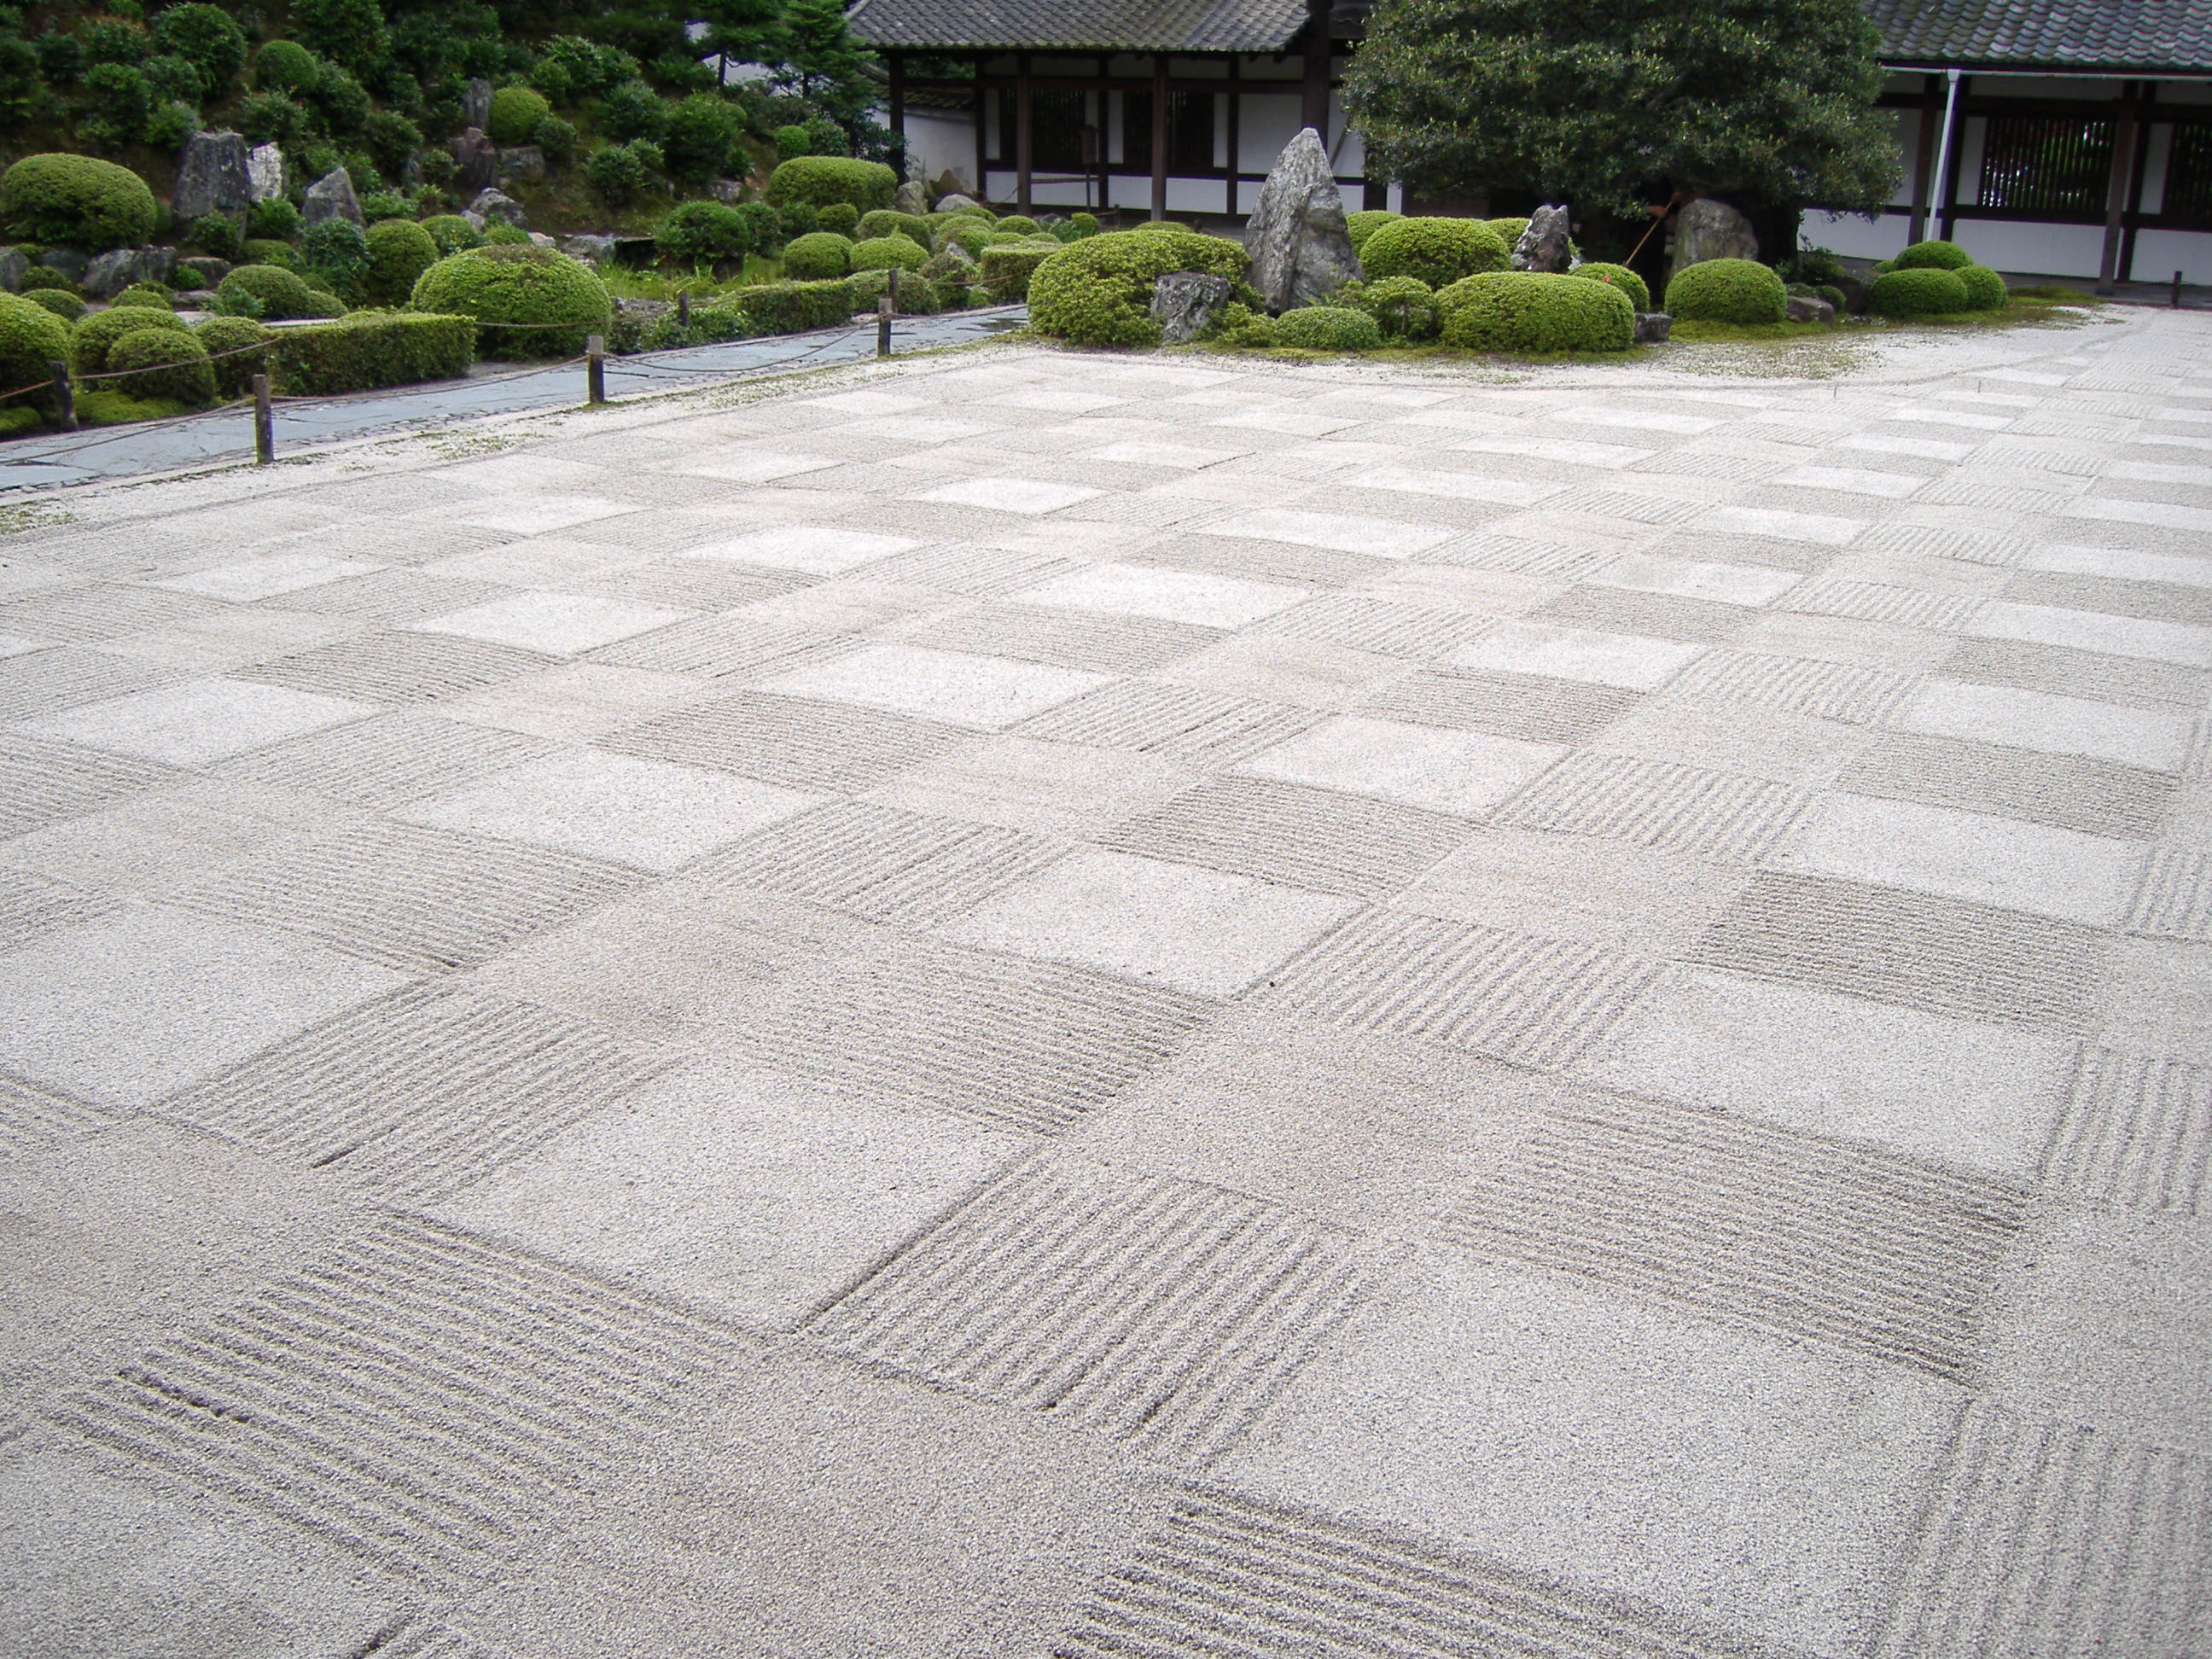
{"points": [[822, 180], [1327, 328], [633, 110], [972, 234], [885, 221], [381, 205], [702, 232], [1986, 290], [96, 336], [259, 250], [1727, 291], [31, 340], [702, 130], [450, 234], [275, 219], [59, 300], [173, 367], [168, 126], [1933, 256], [399, 250], [1438, 251], [1619, 276], [207, 37], [792, 142], [556, 138], [1076, 226], [515, 113], [233, 374], [286, 66], [77, 200], [1365, 223], [819, 258], [841, 217], [1008, 268], [145, 293], [337, 250], [217, 234], [1536, 312], [550, 301], [1922, 291], [1098, 291], [272, 294], [46, 276], [1509, 228], [882, 253], [1017, 224], [1403, 307], [271, 117]]}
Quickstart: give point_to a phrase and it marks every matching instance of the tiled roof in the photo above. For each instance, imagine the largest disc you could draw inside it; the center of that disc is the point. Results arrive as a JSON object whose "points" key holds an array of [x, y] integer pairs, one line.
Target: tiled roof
{"points": [[2113, 34], [1116, 25]]}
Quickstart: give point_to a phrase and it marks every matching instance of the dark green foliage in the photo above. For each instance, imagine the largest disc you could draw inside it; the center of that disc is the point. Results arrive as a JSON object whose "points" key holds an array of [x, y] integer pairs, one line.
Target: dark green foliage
{"points": [[710, 324], [347, 31], [825, 138], [119, 101], [556, 138], [114, 40], [588, 66], [1621, 277], [1525, 312], [515, 113], [824, 256], [271, 294], [1923, 291], [917, 295], [883, 221], [391, 139], [96, 336], [381, 204], [1327, 328], [1238, 324], [45, 276], [796, 218], [701, 131], [264, 250], [399, 252], [883, 252], [337, 250], [792, 141], [171, 366], [820, 58], [1098, 291], [146, 294], [168, 126], [226, 339], [1588, 103], [75, 201], [61, 58], [1509, 229], [634, 110], [1438, 251], [618, 170], [1933, 256], [342, 101], [375, 349], [271, 117], [841, 217], [32, 339], [1403, 307], [173, 80], [451, 234], [1017, 224], [286, 66], [793, 308], [702, 232], [208, 38], [1986, 290], [19, 77], [1007, 271], [1727, 291], [552, 299], [62, 303], [821, 179]]}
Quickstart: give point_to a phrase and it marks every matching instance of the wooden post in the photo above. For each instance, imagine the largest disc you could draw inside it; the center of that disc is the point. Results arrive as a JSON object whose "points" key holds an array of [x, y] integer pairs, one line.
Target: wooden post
{"points": [[2116, 203], [1235, 106], [2134, 219], [2176, 301], [884, 326], [1946, 161], [64, 398], [264, 423], [684, 308], [595, 369], [1315, 112], [1923, 161], [1159, 135], [896, 63], [982, 137], [1022, 157]]}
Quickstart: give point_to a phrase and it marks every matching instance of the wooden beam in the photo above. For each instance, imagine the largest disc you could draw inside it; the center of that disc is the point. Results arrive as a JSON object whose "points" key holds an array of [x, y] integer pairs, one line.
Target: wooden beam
{"points": [[1923, 163], [1159, 135], [1315, 112], [896, 63], [2135, 186], [982, 134], [1022, 95], [1236, 103], [2117, 201]]}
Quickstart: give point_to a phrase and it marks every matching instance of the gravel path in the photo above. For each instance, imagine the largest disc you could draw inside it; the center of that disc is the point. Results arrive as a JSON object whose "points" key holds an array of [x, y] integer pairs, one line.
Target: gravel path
{"points": [[1039, 1004]]}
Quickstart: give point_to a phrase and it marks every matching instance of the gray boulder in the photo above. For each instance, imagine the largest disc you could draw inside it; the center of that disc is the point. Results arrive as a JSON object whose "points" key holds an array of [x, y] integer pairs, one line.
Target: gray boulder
{"points": [[1653, 327], [1544, 245], [477, 158], [1808, 308], [523, 161], [212, 177], [954, 202], [265, 172], [1706, 229], [913, 197], [592, 250], [13, 264], [476, 221], [66, 260], [331, 197], [491, 204], [539, 239], [205, 270], [1183, 303], [475, 104], [732, 190], [1300, 252], [108, 274], [644, 310]]}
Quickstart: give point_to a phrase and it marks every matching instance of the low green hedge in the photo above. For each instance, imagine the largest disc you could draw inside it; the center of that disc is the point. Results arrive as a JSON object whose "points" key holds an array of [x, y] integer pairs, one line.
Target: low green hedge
{"points": [[1727, 291], [1933, 256], [515, 113], [75, 201], [1008, 271], [262, 251], [368, 349], [1098, 291], [1017, 224], [1403, 307], [1921, 291], [1440, 252], [887, 221], [1327, 328], [971, 234], [824, 256], [1986, 290], [451, 234], [1536, 312], [1619, 276], [1508, 230], [31, 340], [172, 368], [917, 295], [224, 336], [96, 336], [271, 294], [883, 252], [1365, 223], [793, 308], [551, 301], [822, 180], [59, 300]]}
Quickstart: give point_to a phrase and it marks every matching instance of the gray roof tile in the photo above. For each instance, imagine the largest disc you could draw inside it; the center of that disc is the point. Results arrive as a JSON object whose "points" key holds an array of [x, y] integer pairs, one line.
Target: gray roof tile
{"points": [[1115, 25], [2133, 34]]}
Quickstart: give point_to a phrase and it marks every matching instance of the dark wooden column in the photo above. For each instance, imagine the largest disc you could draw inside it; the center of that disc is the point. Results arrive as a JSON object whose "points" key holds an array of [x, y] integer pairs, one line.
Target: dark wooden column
{"points": [[1954, 140], [982, 137], [1923, 162], [2117, 203], [2135, 186], [896, 63], [1235, 106], [1317, 84], [1022, 158], [1159, 135]]}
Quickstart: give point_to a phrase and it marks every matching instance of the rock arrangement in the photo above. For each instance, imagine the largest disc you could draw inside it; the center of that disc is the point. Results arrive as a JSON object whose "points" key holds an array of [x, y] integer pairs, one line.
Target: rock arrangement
{"points": [[1544, 245], [1707, 229], [1301, 249]]}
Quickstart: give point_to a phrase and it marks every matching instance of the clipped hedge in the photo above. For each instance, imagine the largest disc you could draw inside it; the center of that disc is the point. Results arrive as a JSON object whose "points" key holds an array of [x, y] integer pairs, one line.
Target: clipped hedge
{"points": [[1536, 312], [1619, 276], [1403, 307], [59, 300], [1008, 270], [793, 308], [1986, 290], [1098, 291], [399, 252], [1922, 291], [1727, 291], [233, 375], [146, 294], [172, 368], [842, 217], [368, 349], [822, 180], [967, 233], [1440, 252], [1365, 223], [823, 256], [1933, 256], [451, 234], [698, 233], [887, 221], [271, 294], [883, 252], [917, 295], [1509, 228], [96, 336], [1327, 328], [31, 340], [515, 113], [550, 301], [75, 201]]}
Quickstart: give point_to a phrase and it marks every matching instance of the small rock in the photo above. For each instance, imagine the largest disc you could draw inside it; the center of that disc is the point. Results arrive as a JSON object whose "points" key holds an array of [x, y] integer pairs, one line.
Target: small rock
{"points": [[645, 311], [1707, 229], [1544, 245], [1301, 251], [524, 162], [108, 274], [265, 172], [1808, 308], [491, 204], [194, 299], [212, 177], [954, 202], [1184, 301], [478, 160], [206, 267], [331, 197], [539, 239], [475, 104], [732, 190], [66, 260], [913, 197], [592, 250], [1652, 327], [476, 221], [13, 264]]}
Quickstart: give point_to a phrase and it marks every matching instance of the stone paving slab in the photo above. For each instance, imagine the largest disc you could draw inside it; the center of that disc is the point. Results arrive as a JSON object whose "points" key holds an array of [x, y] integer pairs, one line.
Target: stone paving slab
{"points": [[1048, 1004]]}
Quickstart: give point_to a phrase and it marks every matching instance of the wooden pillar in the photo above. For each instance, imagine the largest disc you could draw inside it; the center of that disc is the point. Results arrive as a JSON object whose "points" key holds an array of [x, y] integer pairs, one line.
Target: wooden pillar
{"points": [[1022, 133], [1923, 161], [982, 136], [1947, 164], [1159, 135], [2116, 202], [896, 64], [1315, 112], [1236, 105], [2136, 185]]}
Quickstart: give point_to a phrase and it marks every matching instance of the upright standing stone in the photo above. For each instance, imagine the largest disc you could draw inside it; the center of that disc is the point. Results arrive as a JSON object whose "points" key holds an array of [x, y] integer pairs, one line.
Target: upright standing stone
{"points": [[475, 104], [107, 275], [913, 197], [332, 197], [1545, 245], [1707, 229], [265, 172], [212, 177], [15, 264], [477, 158], [524, 162], [1301, 251]]}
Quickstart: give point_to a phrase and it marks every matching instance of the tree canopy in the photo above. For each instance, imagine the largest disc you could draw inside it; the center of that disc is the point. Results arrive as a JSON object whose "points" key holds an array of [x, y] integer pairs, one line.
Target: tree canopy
{"points": [[1593, 101]]}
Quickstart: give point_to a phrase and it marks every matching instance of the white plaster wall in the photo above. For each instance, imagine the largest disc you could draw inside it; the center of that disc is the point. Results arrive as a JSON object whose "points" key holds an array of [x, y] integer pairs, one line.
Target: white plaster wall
{"points": [[942, 141], [2009, 245], [1855, 237], [2157, 151], [2159, 254]]}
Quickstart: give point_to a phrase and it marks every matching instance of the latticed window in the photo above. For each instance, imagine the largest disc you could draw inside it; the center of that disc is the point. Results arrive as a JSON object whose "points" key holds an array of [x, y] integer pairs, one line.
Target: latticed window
{"points": [[2189, 174], [1190, 131], [1057, 144], [2056, 165]]}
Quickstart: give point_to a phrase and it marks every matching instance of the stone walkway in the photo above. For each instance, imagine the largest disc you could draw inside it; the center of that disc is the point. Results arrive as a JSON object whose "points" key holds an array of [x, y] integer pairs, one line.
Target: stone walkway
{"points": [[1054, 1004]]}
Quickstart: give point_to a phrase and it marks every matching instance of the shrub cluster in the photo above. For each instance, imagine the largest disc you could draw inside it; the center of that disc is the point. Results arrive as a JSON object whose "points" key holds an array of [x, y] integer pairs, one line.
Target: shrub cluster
{"points": [[233, 375], [370, 349], [822, 180], [1933, 256], [515, 113], [883, 253], [97, 335], [883, 221], [1098, 291], [1327, 328], [271, 294], [77, 200], [917, 295], [1619, 276], [1365, 223], [1919, 291], [823, 256], [399, 252], [1440, 252], [171, 368], [31, 340], [1536, 313], [1403, 307], [1986, 290], [1727, 291], [793, 308], [550, 302]]}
